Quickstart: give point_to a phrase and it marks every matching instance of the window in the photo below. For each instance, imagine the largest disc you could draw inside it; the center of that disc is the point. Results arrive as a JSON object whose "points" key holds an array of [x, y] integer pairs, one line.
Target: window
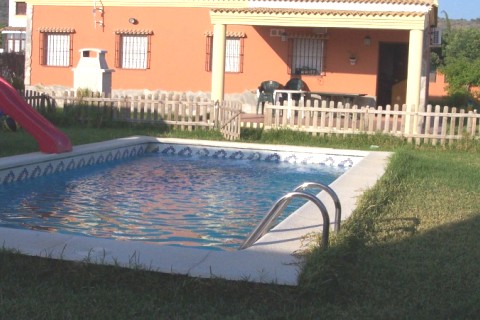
{"points": [[13, 39], [15, 42], [20, 8], [435, 37], [132, 50], [233, 53], [306, 55], [56, 48]]}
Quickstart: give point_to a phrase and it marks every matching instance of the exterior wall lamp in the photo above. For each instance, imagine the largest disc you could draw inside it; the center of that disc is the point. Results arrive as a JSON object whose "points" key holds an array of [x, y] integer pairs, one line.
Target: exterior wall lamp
{"points": [[367, 41], [133, 21], [353, 59]]}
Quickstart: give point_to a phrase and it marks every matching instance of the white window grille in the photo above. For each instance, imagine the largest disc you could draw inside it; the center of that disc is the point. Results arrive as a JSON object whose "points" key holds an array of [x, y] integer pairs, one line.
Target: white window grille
{"points": [[56, 49], [234, 52], [134, 53], [306, 55]]}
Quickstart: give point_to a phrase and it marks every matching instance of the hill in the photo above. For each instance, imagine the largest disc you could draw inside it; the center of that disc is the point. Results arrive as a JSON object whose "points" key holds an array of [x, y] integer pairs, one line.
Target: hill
{"points": [[459, 23]]}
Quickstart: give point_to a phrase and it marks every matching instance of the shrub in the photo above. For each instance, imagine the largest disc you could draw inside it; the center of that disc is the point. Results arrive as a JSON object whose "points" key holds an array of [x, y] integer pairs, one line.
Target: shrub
{"points": [[12, 68]]}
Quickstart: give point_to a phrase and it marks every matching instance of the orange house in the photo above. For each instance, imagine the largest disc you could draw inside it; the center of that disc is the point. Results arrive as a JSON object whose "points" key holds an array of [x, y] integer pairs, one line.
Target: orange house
{"points": [[379, 48], [438, 89], [438, 86]]}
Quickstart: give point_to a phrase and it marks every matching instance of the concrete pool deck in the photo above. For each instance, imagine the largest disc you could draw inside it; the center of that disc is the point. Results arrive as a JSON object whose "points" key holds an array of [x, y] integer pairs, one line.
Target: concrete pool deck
{"points": [[272, 259]]}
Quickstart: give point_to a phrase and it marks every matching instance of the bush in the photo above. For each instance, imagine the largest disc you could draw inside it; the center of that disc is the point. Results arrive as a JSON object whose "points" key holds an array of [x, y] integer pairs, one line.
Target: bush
{"points": [[12, 68], [87, 115], [462, 99]]}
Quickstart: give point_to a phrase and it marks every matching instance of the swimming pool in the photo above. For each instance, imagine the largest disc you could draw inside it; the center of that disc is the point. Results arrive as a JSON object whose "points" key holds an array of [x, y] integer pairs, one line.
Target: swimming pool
{"points": [[176, 194], [272, 259]]}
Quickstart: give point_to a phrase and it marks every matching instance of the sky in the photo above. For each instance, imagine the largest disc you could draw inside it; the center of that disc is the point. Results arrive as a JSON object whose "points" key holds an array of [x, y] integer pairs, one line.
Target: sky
{"points": [[459, 9]]}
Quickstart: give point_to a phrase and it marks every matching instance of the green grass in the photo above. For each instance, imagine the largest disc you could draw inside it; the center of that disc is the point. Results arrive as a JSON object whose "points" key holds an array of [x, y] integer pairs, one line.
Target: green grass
{"points": [[409, 251], [20, 142]]}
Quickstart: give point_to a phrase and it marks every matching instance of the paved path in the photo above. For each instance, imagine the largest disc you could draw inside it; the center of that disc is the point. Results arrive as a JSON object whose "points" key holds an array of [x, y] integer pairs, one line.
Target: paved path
{"points": [[251, 117]]}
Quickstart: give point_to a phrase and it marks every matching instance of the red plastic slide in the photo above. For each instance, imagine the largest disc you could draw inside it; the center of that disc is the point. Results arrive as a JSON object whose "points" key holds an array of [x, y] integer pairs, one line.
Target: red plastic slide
{"points": [[49, 138]]}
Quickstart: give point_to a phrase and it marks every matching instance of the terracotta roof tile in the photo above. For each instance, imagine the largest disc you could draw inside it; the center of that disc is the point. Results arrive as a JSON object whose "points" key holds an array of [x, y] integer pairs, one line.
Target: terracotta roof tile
{"points": [[133, 31], [13, 29], [320, 12], [411, 2], [57, 30], [229, 34]]}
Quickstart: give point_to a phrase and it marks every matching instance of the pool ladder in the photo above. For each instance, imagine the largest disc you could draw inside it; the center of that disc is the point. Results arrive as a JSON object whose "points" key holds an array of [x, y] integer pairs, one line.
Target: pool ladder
{"points": [[267, 222]]}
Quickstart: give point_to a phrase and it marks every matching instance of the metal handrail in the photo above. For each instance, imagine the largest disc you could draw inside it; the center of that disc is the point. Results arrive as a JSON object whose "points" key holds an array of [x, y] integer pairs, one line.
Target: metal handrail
{"points": [[267, 222], [336, 200]]}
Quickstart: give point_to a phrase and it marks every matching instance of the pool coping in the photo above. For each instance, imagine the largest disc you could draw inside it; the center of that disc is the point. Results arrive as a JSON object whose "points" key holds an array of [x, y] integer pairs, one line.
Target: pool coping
{"points": [[272, 259]]}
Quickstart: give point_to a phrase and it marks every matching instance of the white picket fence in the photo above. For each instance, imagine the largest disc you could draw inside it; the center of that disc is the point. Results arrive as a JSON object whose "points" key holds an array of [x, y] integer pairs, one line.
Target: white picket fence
{"points": [[428, 125], [176, 110], [432, 124]]}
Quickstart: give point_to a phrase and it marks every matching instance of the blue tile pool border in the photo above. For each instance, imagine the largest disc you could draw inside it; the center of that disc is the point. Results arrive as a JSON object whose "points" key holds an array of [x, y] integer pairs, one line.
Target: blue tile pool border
{"points": [[30, 166], [16, 172]]}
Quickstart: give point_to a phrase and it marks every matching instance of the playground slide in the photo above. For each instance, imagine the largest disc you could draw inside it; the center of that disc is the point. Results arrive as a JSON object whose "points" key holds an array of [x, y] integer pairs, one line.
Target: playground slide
{"points": [[49, 138]]}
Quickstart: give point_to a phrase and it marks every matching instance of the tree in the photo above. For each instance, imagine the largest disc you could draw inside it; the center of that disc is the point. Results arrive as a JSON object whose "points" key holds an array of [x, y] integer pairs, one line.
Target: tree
{"points": [[12, 68], [461, 61], [1, 36]]}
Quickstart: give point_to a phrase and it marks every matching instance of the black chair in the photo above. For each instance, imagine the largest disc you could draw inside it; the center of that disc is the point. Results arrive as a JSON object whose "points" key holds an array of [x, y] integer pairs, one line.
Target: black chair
{"points": [[293, 84], [266, 90]]}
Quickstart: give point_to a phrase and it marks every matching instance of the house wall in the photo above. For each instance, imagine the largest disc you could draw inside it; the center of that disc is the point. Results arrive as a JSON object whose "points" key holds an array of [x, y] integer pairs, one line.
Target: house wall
{"points": [[437, 89], [175, 61], [179, 51], [362, 77]]}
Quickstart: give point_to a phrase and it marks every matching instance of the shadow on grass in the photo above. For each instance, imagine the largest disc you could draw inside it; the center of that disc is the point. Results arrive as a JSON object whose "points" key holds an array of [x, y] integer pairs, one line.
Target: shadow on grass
{"points": [[422, 275], [398, 226]]}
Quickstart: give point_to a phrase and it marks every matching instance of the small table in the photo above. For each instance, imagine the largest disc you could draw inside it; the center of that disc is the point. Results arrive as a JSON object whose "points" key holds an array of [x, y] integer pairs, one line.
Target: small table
{"points": [[278, 93], [344, 97]]}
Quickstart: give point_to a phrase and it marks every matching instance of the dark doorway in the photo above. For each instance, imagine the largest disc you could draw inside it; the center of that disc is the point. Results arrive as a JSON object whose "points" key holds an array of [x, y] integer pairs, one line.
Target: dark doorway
{"points": [[392, 74]]}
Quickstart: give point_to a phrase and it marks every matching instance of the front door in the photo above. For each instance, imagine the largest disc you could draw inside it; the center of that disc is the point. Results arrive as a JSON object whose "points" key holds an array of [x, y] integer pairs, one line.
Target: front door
{"points": [[392, 74]]}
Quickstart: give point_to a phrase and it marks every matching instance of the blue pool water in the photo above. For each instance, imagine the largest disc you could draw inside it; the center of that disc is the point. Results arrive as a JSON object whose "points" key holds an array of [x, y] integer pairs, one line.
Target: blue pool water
{"points": [[181, 199]]}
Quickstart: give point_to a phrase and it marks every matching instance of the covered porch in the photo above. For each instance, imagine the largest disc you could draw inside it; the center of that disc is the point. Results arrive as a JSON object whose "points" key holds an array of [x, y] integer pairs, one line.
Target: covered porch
{"points": [[414, 20]]}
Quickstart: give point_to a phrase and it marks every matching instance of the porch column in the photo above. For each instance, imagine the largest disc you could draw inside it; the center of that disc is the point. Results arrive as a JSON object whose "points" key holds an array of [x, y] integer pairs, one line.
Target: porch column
{"points": [[415, 53], [218, 62]]}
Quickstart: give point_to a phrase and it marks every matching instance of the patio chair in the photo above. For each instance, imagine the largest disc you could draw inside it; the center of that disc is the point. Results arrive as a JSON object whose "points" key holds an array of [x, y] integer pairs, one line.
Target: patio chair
{"points": [[266, 90], [293, 84]]}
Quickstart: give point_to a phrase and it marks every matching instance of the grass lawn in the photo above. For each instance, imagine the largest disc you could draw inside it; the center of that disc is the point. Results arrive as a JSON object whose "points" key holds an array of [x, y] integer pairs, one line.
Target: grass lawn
{"points": [[409, 251]]}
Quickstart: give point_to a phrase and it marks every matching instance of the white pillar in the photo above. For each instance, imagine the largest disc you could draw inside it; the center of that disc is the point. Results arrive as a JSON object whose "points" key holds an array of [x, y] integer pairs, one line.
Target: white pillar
{"points": [[218, 62], [415, 53], [28, 47]]}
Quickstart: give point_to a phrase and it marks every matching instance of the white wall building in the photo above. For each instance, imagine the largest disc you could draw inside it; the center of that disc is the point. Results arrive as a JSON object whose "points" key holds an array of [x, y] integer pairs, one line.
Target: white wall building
{"points": [[14, 34]]}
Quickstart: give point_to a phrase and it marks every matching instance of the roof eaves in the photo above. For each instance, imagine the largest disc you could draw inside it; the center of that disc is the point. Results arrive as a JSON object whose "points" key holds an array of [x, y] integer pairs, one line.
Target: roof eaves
{"points": [[398, 2], [340, 13]]}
